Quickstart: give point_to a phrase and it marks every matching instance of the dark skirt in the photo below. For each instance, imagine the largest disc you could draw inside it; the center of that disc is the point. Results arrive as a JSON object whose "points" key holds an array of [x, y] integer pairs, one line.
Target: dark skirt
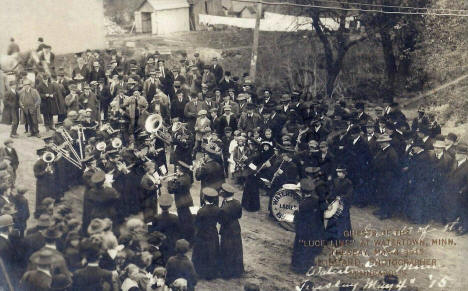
{"points": [[251, 194], [186, 222], [231, 255], [205, 255]]}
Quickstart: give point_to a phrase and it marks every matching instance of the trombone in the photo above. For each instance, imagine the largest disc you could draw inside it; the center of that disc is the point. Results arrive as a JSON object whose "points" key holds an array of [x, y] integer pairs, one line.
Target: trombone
{"points": [[64, 153], [68, 139]]}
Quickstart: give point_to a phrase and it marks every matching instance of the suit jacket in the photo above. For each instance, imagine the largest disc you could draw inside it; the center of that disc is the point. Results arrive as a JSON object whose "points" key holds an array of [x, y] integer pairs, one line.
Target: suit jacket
{"points": [[91, 101], [59, 261], [10, 152], [178, 108], [224, 85], [232, 123], [11, 99], [91, 278], [35, 281], [218, 72], [210, 80], [83, 71], [247, 123], [73, 102], [29, 101], [191, 111], [94, 75]]}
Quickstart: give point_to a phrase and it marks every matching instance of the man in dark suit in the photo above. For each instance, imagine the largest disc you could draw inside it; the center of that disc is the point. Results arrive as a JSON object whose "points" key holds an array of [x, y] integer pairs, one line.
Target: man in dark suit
{"points": [[209, 79], [96, 73], [11, 100], [217, 70], [226, 83], [81, 69], [39, 279], [9, 152], [166, 78], [92, 277], [7, 249], [228, 119], [178, 106]]}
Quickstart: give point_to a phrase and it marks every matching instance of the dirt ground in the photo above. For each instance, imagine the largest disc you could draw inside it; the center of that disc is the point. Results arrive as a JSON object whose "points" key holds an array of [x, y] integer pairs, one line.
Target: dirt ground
{"points": [[268, 247]]}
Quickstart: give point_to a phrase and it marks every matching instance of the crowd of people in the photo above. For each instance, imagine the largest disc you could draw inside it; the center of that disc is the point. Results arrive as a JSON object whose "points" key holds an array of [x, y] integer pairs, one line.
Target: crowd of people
{"points": [[123, 120]]}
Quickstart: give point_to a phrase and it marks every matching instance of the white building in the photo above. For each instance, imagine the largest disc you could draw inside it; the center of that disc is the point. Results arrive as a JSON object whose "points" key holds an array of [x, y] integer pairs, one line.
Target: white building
{"points": [[162, 16]]}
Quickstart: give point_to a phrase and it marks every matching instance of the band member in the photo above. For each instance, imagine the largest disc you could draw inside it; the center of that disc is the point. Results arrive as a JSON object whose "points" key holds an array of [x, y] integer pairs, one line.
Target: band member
{"points": [[309, 227], [180, 187], [168, 224], [100, 201], [150, 184], [231, 253], [209, 170], [205, 255], [45, 180], [337, 218]]}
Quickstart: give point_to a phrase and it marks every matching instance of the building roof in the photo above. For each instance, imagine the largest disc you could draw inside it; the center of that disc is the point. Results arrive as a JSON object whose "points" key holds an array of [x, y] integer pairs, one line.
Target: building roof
{"points": [[165, 4]]}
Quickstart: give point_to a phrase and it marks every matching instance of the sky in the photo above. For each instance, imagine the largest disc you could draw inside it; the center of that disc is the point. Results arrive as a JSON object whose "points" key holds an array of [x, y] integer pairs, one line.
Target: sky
{"points": [[67, 25]]}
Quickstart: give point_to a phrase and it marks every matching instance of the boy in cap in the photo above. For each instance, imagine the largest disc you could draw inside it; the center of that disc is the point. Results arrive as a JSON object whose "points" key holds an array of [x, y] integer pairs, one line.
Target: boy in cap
{"points": [[231, 255], [22, 207], [180, 266]]}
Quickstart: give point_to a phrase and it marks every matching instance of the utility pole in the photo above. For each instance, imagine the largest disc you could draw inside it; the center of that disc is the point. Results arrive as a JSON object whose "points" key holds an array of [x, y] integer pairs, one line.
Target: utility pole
{"points": [[256, 34]]}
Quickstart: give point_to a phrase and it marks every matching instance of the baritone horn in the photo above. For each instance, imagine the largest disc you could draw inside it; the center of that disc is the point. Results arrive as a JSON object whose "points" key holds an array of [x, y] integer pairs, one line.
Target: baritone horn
{"points": [[101, 146], [48, 157], [155, 125], [116, 143]]}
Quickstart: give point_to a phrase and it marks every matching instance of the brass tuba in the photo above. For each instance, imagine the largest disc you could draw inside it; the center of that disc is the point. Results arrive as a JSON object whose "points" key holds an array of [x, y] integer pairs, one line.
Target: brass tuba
{"points": [[48, 157], [116, 143], [154, 125]]}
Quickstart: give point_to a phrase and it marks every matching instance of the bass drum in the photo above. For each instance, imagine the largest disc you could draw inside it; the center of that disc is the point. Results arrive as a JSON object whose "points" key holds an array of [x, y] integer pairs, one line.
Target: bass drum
{"points": [[284, 204]]}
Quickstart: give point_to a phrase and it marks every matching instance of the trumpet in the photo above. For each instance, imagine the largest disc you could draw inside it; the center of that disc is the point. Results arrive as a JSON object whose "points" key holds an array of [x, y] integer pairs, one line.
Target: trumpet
{"points": [[48, 157]]}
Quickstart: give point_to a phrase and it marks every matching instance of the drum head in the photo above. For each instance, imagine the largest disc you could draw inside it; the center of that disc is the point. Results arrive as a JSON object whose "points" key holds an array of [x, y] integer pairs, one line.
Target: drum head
{"points": [[293, 187], [284, 204]]}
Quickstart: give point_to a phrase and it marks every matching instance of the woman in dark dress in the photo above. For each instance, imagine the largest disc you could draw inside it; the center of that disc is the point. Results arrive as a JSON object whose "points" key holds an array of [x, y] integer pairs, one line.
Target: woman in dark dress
{"points": [[309, 227], [232, 258], [205, 255], [251, 192]]}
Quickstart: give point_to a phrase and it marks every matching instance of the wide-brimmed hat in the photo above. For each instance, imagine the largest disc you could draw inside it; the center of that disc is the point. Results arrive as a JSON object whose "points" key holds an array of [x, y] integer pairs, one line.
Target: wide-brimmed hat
{"points": [[44, 257], [210, 192], [6, 220], [384, 138], [52, 232], [165, 200]]}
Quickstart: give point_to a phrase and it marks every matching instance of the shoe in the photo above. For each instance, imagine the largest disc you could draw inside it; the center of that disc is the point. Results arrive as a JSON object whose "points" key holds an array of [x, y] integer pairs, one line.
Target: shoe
{"points": [[37, 135], [29, 134], [14, 135]]}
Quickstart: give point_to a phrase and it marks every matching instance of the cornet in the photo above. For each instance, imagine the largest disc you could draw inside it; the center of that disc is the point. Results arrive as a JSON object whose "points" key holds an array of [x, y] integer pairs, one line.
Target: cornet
{"points": [[101, 146], [48, 157]]}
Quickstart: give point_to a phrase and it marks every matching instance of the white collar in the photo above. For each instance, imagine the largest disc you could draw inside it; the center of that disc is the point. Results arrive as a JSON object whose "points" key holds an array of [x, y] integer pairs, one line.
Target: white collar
{"points": [[356, 139], [318, 128], [229, 199], [439, 156], [5, 236], [51, 246], [369, 137], [360, 114], [383, 149], [425, 138], [47, 272], [93, 264], [461, 162]]}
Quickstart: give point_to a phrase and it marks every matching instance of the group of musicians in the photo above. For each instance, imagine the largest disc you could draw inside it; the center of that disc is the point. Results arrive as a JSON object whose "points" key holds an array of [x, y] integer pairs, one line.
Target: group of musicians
{"points": [[121, 134]]}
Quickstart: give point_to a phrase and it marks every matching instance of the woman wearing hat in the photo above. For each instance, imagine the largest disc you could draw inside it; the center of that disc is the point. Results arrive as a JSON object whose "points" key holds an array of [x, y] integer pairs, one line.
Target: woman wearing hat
{"points": [[205, 255], [231, 253]]}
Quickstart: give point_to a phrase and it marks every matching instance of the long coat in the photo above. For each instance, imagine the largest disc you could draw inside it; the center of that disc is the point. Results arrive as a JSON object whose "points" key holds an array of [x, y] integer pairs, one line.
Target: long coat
{"points": [[168, 224], [231, 253], [309, 227], [45, 182], [205, 255], [11, 103], [180, 188], [48, 101], [211, 174], [100, 203]]}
